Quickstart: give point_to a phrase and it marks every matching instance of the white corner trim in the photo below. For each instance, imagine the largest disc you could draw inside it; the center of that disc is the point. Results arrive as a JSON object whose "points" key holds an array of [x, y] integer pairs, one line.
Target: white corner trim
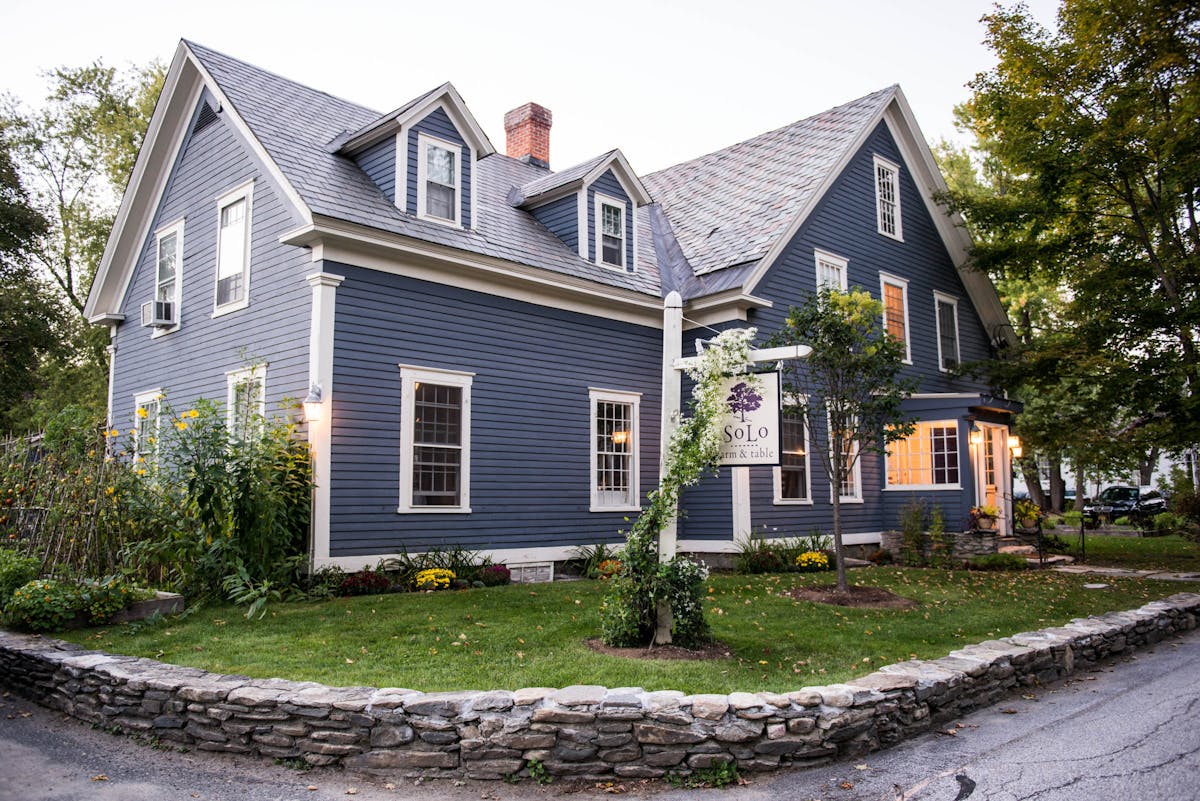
{"points": [[320, 433]]}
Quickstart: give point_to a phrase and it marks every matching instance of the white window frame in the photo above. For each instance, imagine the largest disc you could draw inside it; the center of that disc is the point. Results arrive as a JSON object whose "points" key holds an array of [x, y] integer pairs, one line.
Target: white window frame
{"points": [[410, 377], [807, 500], [841, 264], [245, 192], [424, 142], [938, 299], [886, 279], [855, 472], [633, 494], [177, 301], [141, 400], [881, 167], [602, 200], [926, 424], [233, 379]]}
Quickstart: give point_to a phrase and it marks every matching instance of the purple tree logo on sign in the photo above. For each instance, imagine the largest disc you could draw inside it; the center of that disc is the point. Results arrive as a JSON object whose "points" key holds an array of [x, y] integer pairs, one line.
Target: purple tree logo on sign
{"points": [[743, 399]]}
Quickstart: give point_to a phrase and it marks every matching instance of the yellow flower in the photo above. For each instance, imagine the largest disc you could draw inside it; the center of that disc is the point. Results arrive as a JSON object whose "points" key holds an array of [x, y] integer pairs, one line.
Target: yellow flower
{"points": [[192, 413], [141, 472], [142, 413], [181, 425]]}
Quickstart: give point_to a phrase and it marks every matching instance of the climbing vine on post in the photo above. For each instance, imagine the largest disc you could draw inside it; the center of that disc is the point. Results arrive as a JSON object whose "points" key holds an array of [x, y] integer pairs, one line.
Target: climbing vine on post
{"points": [[629, 614]]}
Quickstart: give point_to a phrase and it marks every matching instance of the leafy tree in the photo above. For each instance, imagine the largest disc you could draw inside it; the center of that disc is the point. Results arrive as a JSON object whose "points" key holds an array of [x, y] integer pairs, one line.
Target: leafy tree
{"points": [[1094, 132], [25, 327], [848, 391], [75, 155]]}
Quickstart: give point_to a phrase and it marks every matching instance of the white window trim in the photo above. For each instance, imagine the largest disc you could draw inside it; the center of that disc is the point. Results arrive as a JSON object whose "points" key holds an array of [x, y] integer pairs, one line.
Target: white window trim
{"points": [[235, 377], [855, 472], [777, 471], [246, 192], [902, 283], [894, 168], [424, 140], [889, 487], [140, 399], [163, 232], [600, 201], [410, 376], [634, 399], [835, 260], [942, 297]]}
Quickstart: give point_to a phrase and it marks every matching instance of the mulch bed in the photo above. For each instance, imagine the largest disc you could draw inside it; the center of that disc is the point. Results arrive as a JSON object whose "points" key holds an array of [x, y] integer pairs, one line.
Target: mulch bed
{"points": [[858, 597], [713, 650]]}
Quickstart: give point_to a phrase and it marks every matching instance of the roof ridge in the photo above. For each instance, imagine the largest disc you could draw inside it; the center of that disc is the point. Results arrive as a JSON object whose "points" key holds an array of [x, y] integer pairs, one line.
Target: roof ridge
{"points": [[194, 46]]}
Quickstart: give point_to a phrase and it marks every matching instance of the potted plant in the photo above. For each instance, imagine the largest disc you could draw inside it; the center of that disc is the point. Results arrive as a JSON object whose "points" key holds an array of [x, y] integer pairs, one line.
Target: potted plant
{"points": [[1027, 513], [983, 517]]}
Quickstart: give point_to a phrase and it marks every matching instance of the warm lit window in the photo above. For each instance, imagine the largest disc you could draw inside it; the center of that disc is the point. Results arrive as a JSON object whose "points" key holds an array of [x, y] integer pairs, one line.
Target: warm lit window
{"points": [[614, 451], [610, 231], [791, 477], [233, 250], [439, 179], [926, 458], [894, 292], [435, 441], [245, 406], [946, 311], [887, 197], [831, 272]]}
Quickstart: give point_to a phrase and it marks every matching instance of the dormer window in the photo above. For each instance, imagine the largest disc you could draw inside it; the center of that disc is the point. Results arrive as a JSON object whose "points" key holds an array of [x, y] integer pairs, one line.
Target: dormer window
{"points": [[610, 224], [439, 180], [887, 198]]}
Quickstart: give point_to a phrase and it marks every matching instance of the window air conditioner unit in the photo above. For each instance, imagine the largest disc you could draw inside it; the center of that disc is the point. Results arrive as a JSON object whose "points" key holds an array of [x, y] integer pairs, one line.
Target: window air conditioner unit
{"points": [[158, 314]]}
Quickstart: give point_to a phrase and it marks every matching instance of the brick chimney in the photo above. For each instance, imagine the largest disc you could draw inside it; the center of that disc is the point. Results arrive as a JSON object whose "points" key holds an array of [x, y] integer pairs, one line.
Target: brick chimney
{"points": [[527, 134]]}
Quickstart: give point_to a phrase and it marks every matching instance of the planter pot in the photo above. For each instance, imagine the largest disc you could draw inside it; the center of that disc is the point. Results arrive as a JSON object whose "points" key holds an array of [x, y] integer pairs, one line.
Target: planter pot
{"points": [[986, 524], [1030, 523]]}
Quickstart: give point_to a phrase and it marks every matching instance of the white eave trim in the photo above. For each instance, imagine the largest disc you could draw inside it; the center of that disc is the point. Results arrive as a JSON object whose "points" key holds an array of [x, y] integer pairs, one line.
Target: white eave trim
{"points": [[445, 97]]}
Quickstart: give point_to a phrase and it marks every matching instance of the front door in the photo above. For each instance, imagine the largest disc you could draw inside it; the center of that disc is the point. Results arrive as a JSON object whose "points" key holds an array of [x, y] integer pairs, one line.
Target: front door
{"points": [[993, 472]]}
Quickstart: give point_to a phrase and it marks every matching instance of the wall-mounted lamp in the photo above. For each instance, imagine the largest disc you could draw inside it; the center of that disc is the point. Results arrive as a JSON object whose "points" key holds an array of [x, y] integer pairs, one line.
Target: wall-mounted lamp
{"points": [[314, 404], [620, 437], [1014, 445], [976, 435]]}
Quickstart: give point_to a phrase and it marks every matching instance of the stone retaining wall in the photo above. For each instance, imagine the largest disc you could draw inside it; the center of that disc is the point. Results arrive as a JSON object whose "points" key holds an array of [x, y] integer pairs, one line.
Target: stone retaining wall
{"points": [[961, 545], [585, 731]]}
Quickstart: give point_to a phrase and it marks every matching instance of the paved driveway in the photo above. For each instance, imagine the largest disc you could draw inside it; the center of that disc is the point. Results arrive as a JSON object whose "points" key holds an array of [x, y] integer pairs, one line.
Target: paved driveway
{"points": [[1128, 731]]}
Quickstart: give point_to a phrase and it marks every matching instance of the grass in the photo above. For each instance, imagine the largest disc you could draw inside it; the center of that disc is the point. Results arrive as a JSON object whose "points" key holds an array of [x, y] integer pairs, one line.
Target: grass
{"points": [[1173, 553], [534, 635]]}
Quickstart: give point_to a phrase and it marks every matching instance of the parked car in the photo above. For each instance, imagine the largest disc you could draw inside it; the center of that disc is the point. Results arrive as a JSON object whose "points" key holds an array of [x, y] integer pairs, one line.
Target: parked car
{"points": [[1115, 502]]}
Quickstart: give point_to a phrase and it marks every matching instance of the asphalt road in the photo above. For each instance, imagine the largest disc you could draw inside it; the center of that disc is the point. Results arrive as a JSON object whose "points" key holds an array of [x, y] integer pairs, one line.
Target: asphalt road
{"points": [[1128, 731]]}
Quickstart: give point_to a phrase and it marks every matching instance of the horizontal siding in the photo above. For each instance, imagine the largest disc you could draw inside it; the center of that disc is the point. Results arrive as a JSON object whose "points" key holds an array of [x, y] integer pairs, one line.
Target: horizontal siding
{"points": [[191, 362], [379, 163], [437, 124], [530, 458], [562, 218]]}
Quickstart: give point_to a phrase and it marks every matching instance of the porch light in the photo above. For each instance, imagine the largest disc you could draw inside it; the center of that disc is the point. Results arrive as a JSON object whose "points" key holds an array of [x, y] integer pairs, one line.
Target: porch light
{"points": [[620, 437], [976, 435], [1014, 446], [314, 404]]}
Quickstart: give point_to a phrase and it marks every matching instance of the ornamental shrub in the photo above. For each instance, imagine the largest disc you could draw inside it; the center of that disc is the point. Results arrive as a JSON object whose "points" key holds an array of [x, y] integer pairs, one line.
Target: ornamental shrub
{"points": [[494, 575], [997, 561], [608, 568], [812, 562], [105, 598], [44, 605], [364, 582], [437, 578], [15, 570]]}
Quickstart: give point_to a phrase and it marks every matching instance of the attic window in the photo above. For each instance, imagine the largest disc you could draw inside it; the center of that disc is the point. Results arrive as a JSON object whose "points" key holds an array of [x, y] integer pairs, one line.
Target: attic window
{"points": [[610, 227], [887, 198], [440, 168]]}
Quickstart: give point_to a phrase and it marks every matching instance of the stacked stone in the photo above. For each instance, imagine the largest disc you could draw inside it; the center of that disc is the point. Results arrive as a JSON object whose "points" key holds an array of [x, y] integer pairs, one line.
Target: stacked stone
{"points": [[962, 546], [584, 731]]}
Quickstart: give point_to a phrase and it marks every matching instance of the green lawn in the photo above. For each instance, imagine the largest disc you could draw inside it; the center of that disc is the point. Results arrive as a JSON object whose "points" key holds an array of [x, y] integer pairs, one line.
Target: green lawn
{"points": [[1142, 553], [534, 635]]}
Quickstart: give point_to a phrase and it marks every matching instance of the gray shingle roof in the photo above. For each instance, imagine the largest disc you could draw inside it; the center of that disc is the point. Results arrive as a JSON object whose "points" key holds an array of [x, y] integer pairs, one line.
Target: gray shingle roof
{"points": [[729, 207], [548, 183], [295, 125]]}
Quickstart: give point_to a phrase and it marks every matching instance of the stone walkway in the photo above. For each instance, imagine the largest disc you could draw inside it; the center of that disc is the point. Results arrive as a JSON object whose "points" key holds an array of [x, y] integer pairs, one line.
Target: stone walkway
{"points": [[1124, 572]]}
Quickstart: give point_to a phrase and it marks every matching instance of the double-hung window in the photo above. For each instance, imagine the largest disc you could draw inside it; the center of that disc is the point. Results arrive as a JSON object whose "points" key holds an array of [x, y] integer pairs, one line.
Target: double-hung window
{"points": [[435, 440], [831, 272], [246, 400], [147, 410], [233, 250], [894, 292], [925, 459], [850, 488], [168, 276], [614, 450], [946, 312], [887, 198], [439, 179], [792, 476], [610, 231]]}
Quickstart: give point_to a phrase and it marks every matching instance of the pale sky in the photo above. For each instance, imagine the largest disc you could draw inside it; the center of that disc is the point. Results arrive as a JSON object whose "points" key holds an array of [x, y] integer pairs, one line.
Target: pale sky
{"points": [[663, 80]]}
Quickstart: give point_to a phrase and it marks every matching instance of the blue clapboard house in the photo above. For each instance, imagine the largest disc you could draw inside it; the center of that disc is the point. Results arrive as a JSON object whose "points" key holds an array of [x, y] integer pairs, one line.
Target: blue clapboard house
{"points": [[485, 334]]}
